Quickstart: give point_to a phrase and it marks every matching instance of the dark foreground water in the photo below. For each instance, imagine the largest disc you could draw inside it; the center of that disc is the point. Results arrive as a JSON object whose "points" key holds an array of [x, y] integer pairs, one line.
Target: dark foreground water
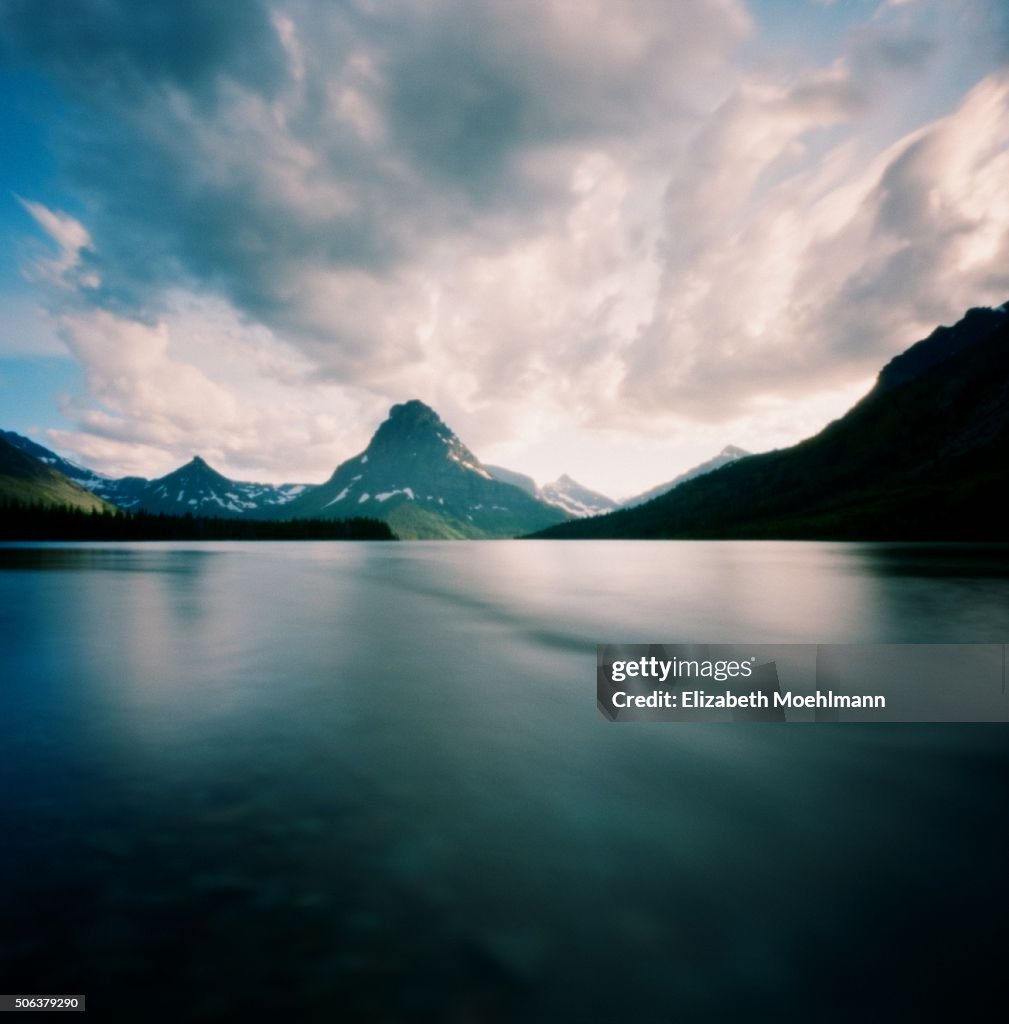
{"points": [[369, 782]]}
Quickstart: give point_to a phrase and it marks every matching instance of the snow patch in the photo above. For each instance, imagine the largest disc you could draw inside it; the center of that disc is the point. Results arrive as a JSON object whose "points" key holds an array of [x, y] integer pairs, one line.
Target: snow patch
{"points": [[571, 505], [472, 466], [339, 497]]}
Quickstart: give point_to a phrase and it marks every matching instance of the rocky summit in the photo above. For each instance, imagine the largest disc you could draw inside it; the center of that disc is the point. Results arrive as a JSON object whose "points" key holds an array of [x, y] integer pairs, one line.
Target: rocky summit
{"points": [[420, 478]]}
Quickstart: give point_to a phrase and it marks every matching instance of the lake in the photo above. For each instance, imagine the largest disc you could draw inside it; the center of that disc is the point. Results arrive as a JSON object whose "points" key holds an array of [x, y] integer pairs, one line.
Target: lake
{"points": [[339, 781]]}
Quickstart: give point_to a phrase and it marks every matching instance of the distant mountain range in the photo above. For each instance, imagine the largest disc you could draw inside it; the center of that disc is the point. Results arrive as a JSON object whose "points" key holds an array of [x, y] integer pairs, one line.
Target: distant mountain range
{"points": [[576, 499], [923, 456], [194, 488], [198, 489], [567, 494], [415, 475], [728, 454]]}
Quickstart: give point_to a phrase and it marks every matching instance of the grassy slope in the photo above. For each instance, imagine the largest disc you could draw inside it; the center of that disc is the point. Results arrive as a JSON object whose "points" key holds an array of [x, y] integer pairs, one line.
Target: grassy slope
{"points": [[414, 520], [29, 481]]}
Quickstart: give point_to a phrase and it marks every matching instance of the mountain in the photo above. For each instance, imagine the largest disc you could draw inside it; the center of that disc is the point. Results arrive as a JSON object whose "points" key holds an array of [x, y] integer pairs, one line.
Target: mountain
{"points": [[923, 455], [194, 487], [202, 491], [417, 476], [940, 345], [519, 480], [576, 499], [27, 480], [565, 493], [728, 454], [87, 478]]}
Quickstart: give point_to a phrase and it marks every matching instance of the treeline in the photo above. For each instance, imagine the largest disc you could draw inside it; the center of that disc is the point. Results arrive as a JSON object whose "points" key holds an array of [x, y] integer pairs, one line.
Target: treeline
{"points": [[20, 521]]}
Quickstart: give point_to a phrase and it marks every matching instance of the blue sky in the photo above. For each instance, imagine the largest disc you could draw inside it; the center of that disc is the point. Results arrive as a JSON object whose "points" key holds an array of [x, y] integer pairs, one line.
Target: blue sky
{"points": [[601, 238]]}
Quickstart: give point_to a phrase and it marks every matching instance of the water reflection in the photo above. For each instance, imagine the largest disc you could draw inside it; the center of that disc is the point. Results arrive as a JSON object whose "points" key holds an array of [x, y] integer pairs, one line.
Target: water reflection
{"points": [[375, 776]]}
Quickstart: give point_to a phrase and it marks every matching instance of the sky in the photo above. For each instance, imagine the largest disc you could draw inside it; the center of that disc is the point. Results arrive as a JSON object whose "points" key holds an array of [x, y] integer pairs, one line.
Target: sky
{"points": [[600, 237]]}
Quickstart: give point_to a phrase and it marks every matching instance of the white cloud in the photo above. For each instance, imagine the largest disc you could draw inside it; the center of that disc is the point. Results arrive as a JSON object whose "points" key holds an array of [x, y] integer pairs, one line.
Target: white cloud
{"points": [[823, 275], [72, 241], [581, 230], [151, 404]]}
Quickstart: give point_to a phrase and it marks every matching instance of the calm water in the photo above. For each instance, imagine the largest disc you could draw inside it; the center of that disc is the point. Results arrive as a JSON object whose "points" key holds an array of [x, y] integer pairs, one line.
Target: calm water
{"points": [[354, 781]]}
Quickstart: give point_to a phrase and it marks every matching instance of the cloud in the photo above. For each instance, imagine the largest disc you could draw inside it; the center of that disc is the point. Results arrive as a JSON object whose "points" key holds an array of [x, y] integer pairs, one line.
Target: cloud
{"points": [[110, 50], [73, 242], [822, 275], [150, 404], [584, 218], [372, 133]]}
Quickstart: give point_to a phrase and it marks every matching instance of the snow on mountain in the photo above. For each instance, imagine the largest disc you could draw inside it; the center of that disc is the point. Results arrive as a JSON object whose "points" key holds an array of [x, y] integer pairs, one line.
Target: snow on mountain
{"points": [[728, 454], [576, 499], [563, 493], [200, 490], [418, 476], [194, 488]]}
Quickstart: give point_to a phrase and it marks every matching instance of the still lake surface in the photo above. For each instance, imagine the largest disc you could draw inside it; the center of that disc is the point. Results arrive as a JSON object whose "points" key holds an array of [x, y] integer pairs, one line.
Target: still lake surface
{"points": [[369, 781]]}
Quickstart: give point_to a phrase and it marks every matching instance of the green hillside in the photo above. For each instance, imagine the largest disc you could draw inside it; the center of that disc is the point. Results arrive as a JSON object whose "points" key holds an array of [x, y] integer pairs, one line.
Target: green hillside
{"points": [[26, 480]]}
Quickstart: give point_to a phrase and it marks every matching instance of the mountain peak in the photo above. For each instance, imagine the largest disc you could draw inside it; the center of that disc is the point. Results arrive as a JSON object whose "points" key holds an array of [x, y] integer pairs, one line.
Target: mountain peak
{"points": [[415, 427], [973, 328], [196, 468], [413, 411], [419, 477], [730, 453], [576, 499], [197, 463]]}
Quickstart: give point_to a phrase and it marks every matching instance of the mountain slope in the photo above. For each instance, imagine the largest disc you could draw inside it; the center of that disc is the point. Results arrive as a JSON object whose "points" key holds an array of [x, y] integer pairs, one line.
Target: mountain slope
{"points": [[567, 494], [26, 480], [519, 480], [728, 454], [576, 499], [924, 455], [87, 478], [417, 476]]}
